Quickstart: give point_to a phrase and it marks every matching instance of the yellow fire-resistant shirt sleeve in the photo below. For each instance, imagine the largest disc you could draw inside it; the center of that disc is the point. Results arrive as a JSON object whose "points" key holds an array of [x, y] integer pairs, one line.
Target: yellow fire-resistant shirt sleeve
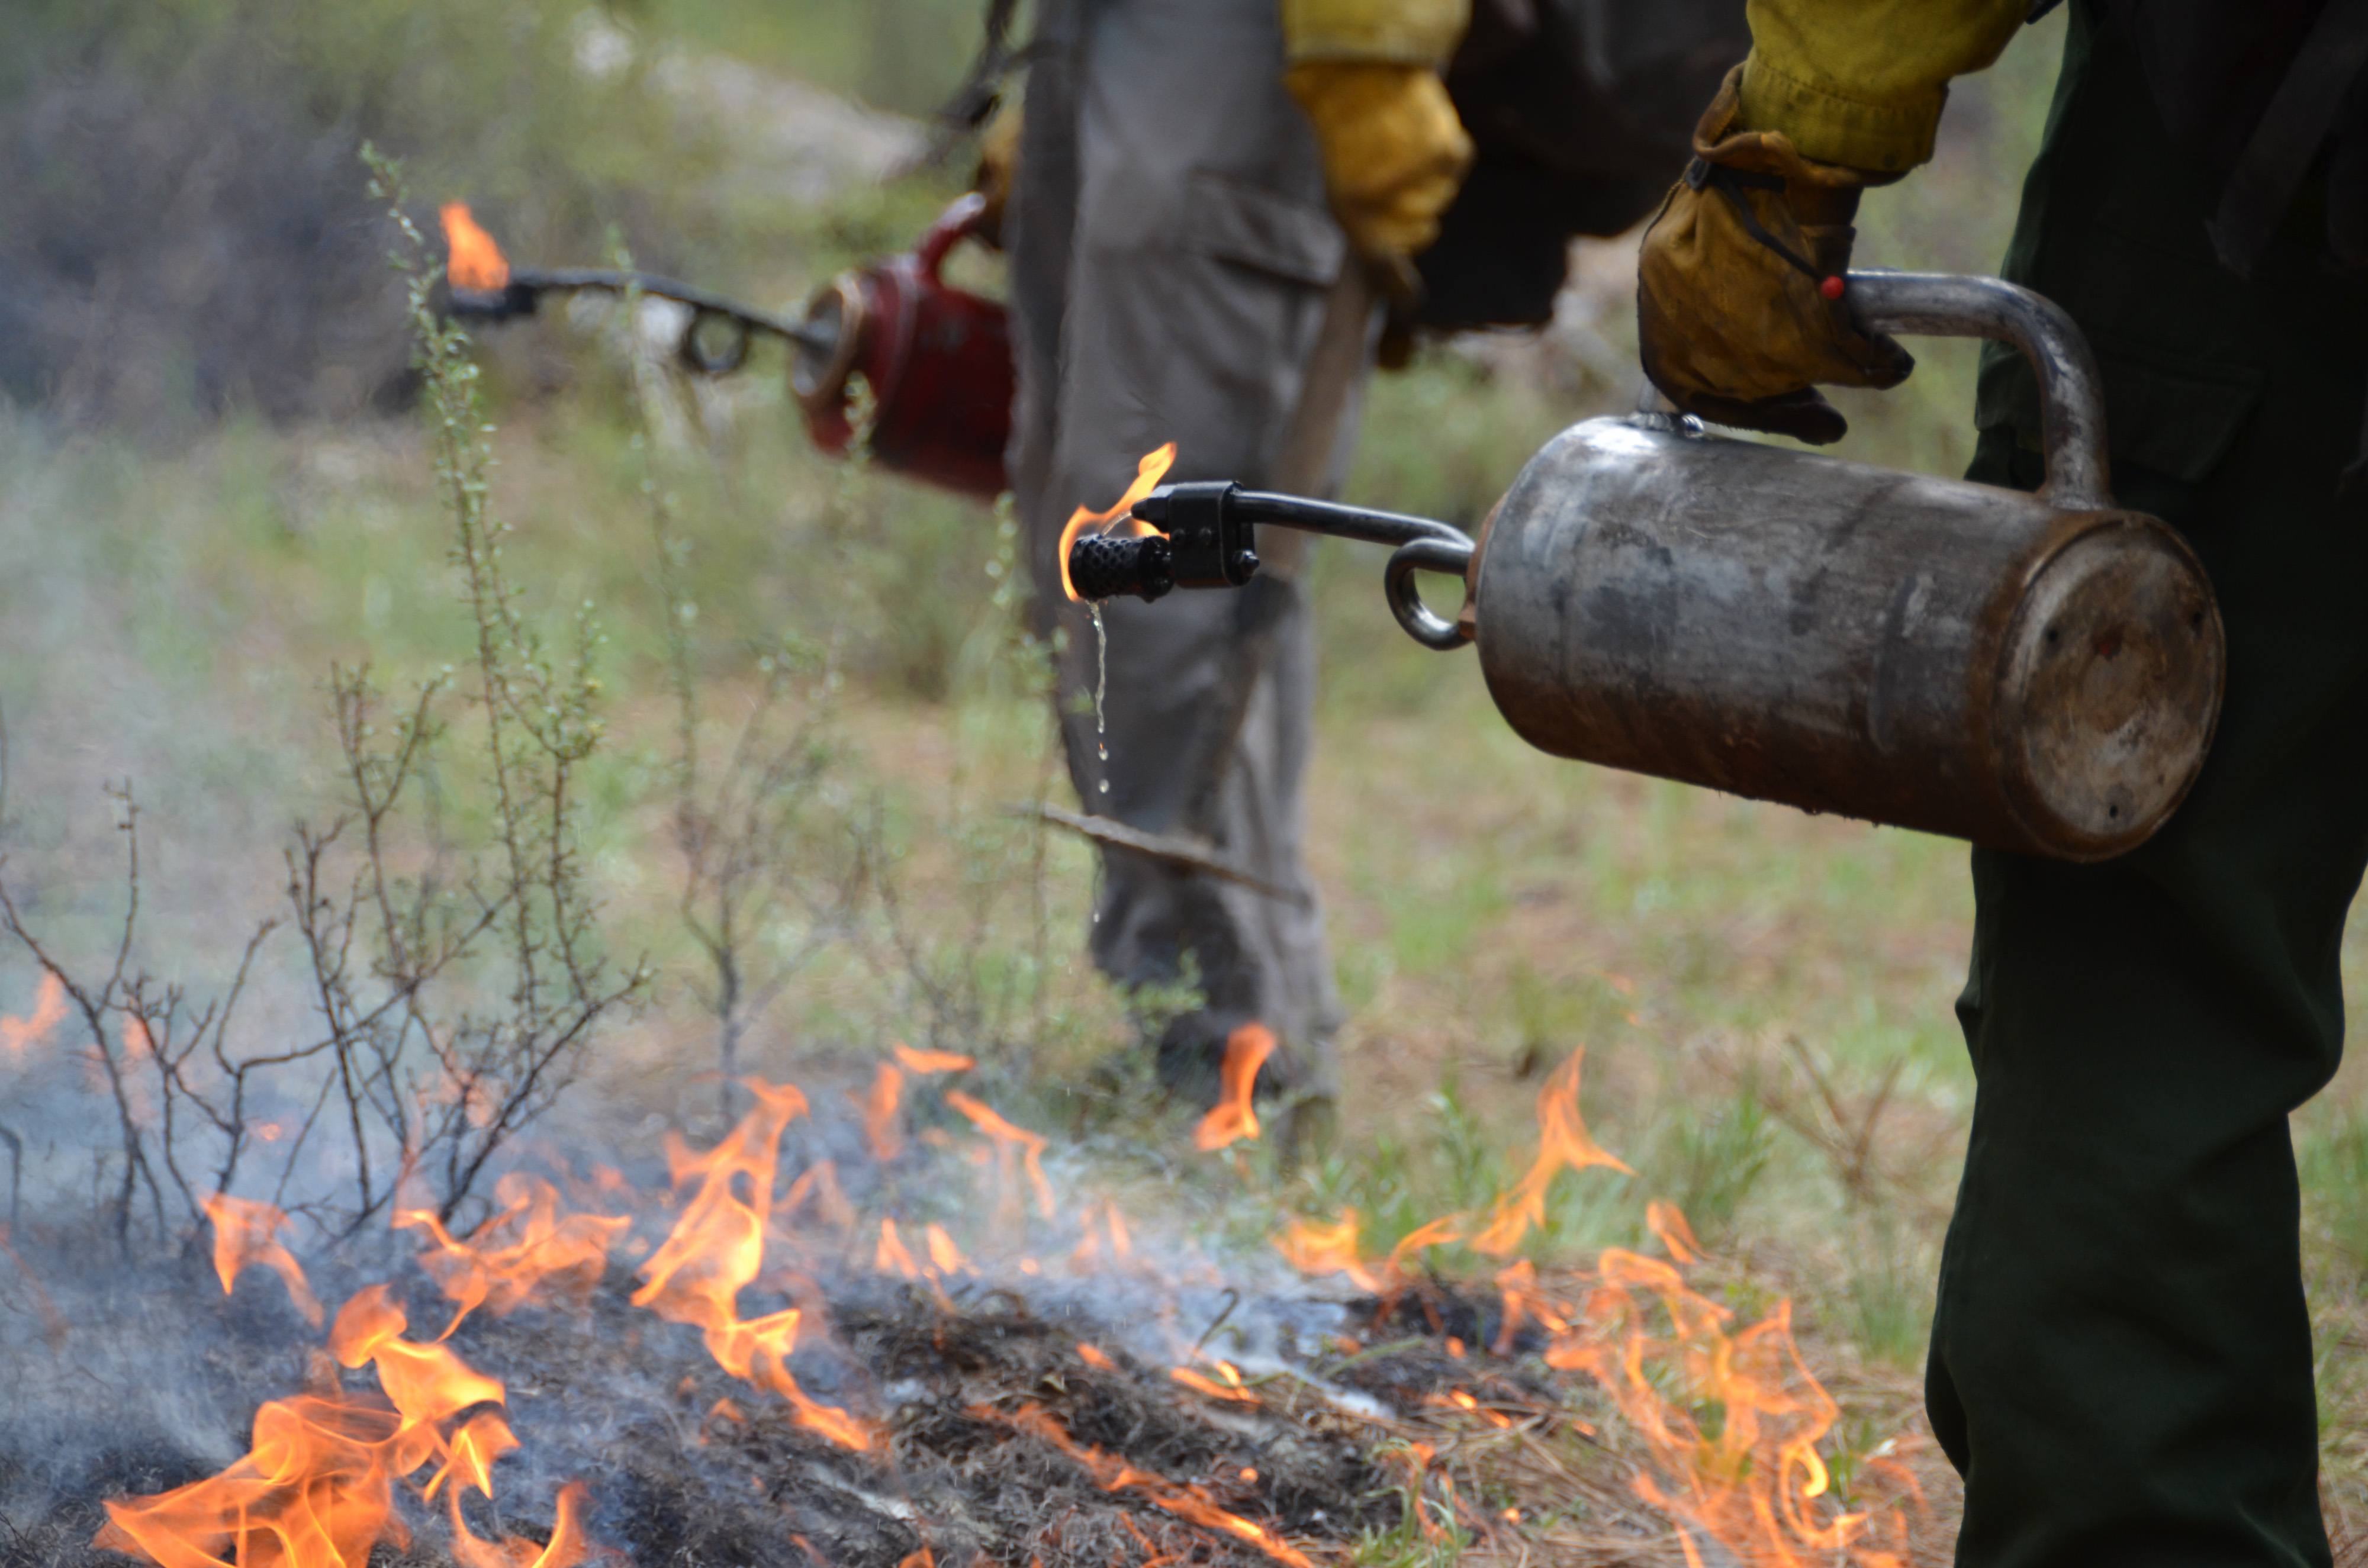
{"points": [[1402, 32], [1861, 82]]}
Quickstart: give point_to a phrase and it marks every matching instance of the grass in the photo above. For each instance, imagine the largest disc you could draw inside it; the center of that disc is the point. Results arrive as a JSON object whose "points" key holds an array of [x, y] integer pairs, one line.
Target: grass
{"points": [[1764, 997]]}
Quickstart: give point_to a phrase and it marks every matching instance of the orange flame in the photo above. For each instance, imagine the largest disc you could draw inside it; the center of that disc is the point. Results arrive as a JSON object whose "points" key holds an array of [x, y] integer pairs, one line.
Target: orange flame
{"points": [[316, 1489], [1122, 1244], [1668, 1223], [880, 1128], [483, 1438], [1524, 1303], [1314, 1247], [566, 1549], [1460, 1399], [1230, 1389], [1422, 1238], [20, 1035], [1232, 1119], [525, 1252], [1111, 1473], [1088, 1254], [1009, 1141], [847, 1431], [476, 261], [1147, 475], [944, 1256], [247, 1232], [425, 1382], [892, 1253], [922, 1063], [1662, 1352], [718, 1246], [315, 1492], [1562, 1144], [819, 1186]]}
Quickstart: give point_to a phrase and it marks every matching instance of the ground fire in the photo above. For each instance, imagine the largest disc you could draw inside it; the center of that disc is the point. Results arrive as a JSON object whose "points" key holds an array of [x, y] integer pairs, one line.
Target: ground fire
{"points": [[1234, 1118], [1019, 1342]]}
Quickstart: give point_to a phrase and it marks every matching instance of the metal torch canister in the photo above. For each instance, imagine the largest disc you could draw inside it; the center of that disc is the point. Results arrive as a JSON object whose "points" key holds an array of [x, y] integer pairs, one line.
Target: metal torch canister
{"points": [[937, 359], [2040, 673]]}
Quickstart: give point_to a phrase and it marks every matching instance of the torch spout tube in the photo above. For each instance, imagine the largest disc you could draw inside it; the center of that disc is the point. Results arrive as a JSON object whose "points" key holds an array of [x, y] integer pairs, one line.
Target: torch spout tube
{"points": [[1208, 530], [528, 285], [1421, 544], [1361, 523]]}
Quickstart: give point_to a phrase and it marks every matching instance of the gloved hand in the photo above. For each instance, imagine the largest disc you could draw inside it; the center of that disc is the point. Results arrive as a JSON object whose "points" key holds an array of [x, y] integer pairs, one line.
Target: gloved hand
{"points": [[999, 163], [1740, 305], [1394, 154]]}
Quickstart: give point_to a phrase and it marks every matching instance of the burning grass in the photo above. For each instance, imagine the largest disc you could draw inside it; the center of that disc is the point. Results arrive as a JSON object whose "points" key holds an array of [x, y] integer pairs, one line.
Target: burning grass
{"points": [[1076, 1399]]}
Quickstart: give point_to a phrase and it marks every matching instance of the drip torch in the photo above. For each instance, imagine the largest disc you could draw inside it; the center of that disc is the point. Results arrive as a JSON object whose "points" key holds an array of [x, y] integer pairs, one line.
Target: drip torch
{"points": [[2039, 673], [936, 359]]}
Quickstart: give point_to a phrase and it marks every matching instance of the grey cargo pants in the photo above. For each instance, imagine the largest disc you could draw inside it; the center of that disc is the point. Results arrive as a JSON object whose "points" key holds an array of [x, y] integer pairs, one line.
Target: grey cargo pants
{"points": [[1171, 251]]}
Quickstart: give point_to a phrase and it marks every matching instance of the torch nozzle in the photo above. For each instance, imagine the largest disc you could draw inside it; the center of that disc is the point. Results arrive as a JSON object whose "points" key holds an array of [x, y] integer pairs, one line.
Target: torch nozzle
{"points": [[1208, 536], [1103, 566]]}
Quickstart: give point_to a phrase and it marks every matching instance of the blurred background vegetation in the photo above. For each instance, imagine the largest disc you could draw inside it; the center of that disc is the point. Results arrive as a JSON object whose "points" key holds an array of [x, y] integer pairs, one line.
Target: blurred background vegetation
{"points": [[211, 489]]}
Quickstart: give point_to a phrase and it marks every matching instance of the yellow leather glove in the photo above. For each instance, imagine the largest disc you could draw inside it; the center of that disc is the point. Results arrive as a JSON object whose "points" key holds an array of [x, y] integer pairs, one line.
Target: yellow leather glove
{"points": [[1394, 154], [1411, 32], [998, 162], [1740, 301]]}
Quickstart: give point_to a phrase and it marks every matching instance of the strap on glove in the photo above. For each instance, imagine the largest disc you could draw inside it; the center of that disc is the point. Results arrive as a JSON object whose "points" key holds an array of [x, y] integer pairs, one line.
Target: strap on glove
{"points": [[1740, 305]]}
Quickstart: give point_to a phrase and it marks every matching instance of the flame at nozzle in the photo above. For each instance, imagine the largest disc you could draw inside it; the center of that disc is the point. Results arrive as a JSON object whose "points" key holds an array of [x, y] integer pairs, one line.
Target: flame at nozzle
{"points": [[476, 262], [1147, 475]]}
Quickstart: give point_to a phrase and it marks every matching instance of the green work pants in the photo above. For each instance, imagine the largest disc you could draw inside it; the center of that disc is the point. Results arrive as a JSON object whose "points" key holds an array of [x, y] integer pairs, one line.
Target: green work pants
{"points": [[2121, 1360]]}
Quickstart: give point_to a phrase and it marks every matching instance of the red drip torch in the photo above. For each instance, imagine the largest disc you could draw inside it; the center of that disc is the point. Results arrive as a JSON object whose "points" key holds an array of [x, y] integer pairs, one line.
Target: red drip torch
{"points": [[936, 359]]}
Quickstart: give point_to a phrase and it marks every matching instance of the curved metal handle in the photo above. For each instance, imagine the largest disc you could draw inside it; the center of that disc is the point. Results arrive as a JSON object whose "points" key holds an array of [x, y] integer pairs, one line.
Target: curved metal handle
{"points": [[960, 220], [2071, 396]]}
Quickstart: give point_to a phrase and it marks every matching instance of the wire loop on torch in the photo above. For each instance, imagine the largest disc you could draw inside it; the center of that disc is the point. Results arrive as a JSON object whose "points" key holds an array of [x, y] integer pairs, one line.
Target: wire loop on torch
{"points": [[1422, 544], [1421, 622]]}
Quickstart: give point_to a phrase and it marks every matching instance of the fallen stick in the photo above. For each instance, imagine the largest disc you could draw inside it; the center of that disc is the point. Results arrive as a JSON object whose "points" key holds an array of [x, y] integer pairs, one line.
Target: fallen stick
{"points": [[1191, 854]]}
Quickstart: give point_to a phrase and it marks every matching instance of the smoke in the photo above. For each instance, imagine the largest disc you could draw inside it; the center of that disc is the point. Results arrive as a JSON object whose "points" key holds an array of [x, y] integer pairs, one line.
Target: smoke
{"points": [[188, 244], [189, 230]]}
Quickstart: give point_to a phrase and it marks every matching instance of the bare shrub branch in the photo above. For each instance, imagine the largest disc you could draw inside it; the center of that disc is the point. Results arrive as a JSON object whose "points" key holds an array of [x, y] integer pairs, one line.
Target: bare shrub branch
{"points": [[772, 874], [454, 994]]}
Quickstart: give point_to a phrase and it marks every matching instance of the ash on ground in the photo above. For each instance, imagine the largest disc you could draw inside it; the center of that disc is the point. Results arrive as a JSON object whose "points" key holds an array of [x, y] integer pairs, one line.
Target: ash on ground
{"points": [[1002, 1418]]}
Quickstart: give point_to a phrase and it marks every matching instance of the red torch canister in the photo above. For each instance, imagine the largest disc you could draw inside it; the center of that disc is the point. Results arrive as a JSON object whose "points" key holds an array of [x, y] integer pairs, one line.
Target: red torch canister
{"points": [[937, 360]]}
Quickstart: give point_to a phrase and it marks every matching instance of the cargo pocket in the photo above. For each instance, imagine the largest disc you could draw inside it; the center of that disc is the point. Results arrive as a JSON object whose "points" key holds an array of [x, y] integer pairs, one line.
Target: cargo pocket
{"points": [[1225, 316], [1263, 230], [2175, 415], [2175, 336]]}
